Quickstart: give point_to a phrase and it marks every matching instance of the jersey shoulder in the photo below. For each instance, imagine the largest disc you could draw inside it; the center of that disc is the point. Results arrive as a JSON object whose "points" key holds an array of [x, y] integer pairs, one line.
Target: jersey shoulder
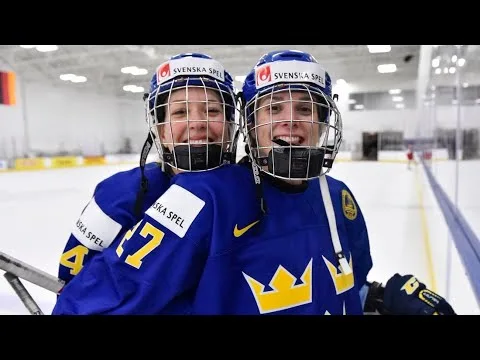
{"points": [[353, 219], [228, 181], [206, 203], [118, 192], [335, 185], [126, 183], [340, 190], [111, 207]]}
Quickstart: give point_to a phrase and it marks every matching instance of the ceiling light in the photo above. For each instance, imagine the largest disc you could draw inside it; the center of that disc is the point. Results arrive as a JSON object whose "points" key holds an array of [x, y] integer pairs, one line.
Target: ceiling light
{"points": [[394, 91], [400, 106], [359, 107], [47, 48], [41, 48], [436, 62], [133, 88], [438, 71], [397, 98], [139, 71], [452, 70], [386, 68], [67, 77], [79, 79], [73, 78], [374, 49], [240, 78], [127, 70], [134, 70], [461, 62]]}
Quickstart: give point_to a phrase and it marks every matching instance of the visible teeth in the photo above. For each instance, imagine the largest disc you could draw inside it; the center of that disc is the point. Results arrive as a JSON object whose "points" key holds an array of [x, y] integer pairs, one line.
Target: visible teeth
{"points": [[202, 141], [290, 140]]}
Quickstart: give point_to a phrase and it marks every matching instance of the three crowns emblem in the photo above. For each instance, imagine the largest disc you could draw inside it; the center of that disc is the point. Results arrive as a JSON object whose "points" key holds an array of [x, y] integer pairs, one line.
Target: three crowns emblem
{"points": [[286, 294], [342, 282]]}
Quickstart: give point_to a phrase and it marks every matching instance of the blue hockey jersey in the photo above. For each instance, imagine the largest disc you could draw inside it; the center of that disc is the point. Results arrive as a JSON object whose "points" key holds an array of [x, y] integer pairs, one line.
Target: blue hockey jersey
{"points": [[204, 247], [108, 215]]}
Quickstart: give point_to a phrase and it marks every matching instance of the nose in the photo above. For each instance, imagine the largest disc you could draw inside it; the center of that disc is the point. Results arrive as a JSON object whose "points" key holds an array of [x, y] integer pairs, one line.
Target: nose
{"points": [[288, 123], [196, 118], [287, 115]]}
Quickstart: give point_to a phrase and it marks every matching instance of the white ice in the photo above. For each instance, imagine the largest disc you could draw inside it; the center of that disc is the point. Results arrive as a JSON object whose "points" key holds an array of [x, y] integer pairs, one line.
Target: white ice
{"points": [[37, 213]]}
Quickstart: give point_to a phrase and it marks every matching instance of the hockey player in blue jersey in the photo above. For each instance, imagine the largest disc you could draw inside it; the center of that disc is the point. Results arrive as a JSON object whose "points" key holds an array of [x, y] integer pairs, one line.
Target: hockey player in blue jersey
{"points": [[292, 241], [288, 140], [120, 201]]}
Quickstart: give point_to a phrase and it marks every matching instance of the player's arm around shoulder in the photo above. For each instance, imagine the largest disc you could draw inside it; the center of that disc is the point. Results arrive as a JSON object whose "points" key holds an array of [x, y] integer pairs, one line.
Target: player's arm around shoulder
{"points": [[107, 215], [160, 258]]}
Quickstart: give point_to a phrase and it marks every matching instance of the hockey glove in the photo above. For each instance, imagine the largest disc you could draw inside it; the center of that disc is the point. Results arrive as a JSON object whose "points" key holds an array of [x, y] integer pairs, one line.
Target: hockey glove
{"points": [[405, 295]]}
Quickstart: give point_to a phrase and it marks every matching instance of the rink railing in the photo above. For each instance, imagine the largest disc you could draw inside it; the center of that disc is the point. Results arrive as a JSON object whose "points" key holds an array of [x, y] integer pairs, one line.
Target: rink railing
{"points": [[61, 162], [466, 242], [42, 163]]}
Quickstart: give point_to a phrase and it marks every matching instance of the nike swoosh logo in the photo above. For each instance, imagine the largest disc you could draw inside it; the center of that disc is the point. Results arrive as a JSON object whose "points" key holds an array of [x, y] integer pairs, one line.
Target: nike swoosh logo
{"points": [[239, 232]]}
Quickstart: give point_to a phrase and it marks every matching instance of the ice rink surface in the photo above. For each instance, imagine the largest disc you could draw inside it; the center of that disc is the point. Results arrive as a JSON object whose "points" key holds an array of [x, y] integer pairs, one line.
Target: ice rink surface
{"points": [[39, 209]]}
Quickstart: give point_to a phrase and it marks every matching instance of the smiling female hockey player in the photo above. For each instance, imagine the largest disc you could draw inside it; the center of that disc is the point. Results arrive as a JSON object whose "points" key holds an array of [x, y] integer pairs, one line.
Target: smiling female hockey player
{"points": [[121, 200]]}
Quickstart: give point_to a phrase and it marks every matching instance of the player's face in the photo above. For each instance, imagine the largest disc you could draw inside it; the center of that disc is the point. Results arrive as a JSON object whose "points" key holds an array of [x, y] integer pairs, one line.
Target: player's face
{"points": [[294, 120], [198, 121]]}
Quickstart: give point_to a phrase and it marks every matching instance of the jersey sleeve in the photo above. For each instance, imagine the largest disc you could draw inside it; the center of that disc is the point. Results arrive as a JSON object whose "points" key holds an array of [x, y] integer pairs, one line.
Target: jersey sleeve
{"points": [[357, 233], [106, 217], [93, 231], [154, 266]]}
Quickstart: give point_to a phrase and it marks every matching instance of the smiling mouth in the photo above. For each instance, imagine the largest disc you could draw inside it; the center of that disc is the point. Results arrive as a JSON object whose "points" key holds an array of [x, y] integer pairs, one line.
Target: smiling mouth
{"points": [[203, 141], [290, 140]]}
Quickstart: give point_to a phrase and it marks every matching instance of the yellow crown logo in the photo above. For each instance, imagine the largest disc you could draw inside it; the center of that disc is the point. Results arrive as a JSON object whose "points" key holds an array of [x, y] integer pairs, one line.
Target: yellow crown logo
{"points": [[284, 294], [341, 281]]}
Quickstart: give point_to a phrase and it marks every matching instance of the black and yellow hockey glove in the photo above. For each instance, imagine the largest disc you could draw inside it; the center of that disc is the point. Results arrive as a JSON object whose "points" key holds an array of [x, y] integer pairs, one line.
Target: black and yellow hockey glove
{"points": [[405, 295]]}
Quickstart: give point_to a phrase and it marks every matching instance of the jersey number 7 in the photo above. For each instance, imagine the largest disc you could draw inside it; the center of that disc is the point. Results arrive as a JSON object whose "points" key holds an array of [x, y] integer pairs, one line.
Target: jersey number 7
{"points": [[148, 229]]}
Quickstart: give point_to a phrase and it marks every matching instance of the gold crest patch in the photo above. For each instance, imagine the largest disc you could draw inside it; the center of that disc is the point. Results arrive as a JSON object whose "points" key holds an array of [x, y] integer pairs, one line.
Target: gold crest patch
{"points": [[349, 207]]}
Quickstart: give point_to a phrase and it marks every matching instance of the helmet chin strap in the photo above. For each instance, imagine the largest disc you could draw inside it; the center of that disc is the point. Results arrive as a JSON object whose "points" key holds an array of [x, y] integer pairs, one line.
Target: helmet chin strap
{"points": [[143, 179]]}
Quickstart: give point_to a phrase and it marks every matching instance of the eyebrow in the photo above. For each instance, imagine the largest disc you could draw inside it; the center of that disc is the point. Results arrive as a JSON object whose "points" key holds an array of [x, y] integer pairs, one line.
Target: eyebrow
{"points": [[185, 101], [279, 98]]}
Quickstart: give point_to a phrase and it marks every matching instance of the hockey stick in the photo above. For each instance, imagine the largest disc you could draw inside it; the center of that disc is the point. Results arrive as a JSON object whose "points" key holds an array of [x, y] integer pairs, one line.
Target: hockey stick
{"points": [[23, 294], [30, 273]]}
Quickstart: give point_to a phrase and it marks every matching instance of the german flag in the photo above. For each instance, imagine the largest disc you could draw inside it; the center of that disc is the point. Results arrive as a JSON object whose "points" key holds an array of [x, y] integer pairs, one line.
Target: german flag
{"points": [[7, 88]]}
